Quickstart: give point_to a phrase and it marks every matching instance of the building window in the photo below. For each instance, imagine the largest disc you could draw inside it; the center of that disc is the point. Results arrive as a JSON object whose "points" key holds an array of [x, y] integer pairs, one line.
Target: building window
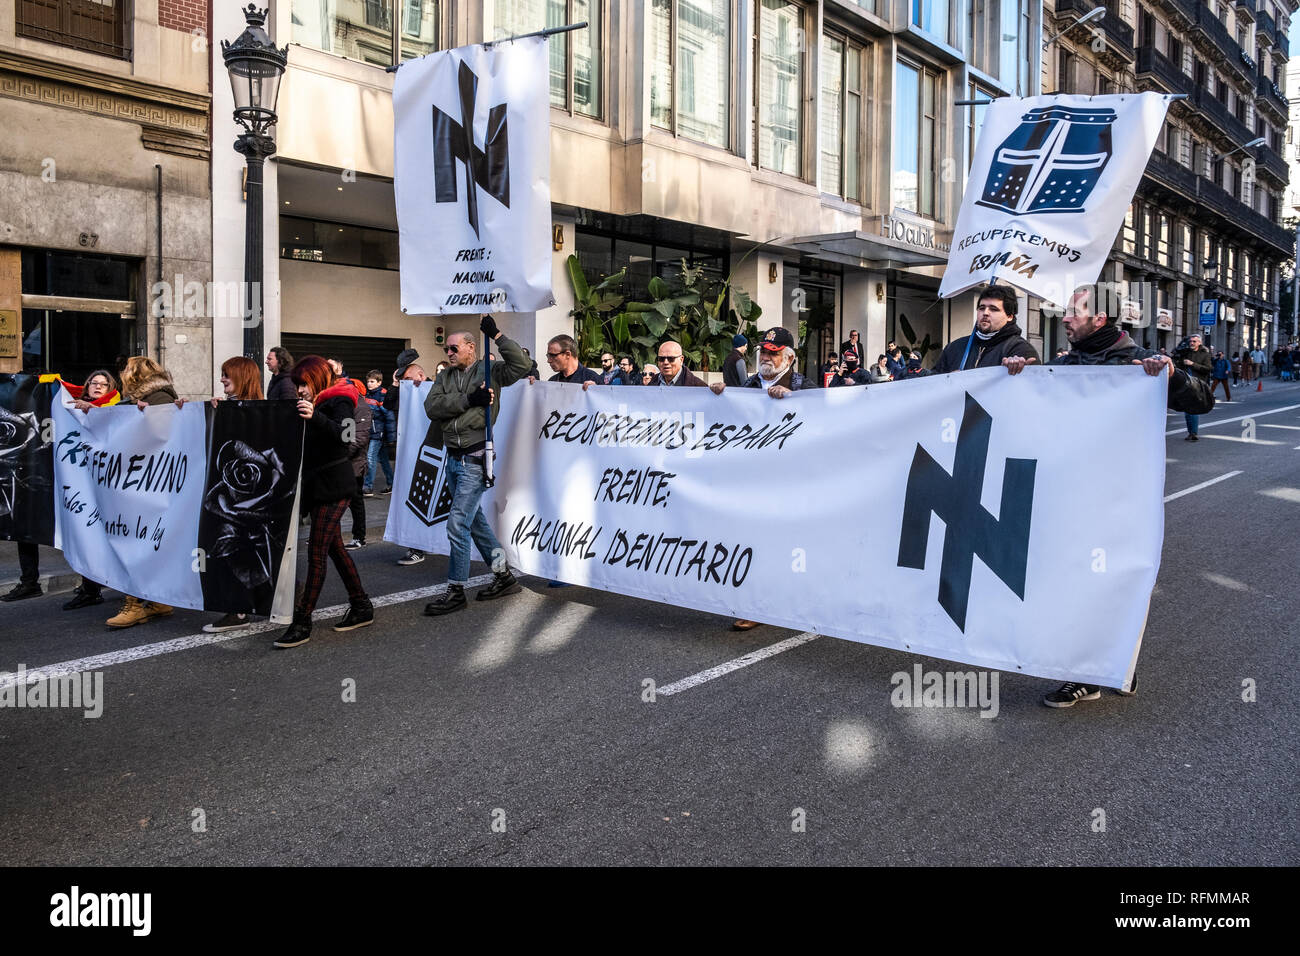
{"points": [[419, 28], [309, 240], [843, 68], [575, 57], [1162, 241], [932, 17], [97, 26], [916, 138], [779, 101], [366, 31], [975, 124], [1129, 240], [1187, 250], [1009, 43], [689, 44]]}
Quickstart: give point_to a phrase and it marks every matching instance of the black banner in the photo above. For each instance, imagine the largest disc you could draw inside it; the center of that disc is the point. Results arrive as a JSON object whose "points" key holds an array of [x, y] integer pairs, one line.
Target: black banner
{"points": [[254, 453], [26, 459]]}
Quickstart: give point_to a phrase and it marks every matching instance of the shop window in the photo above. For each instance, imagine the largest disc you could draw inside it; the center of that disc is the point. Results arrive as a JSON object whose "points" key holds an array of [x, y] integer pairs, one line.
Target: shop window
{"points": [[575, 57], [96, 26], [932, 17], [690, 70], [779, 103], [842, 120]]}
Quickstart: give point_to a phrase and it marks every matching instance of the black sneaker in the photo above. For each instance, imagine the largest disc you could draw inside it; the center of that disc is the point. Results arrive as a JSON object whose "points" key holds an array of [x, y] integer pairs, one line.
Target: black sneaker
{"points": [[355, 544], [367, 493], [82, 599], [1071, 693], [21, 591], [452, 600], [359, 615], [1191, 438], [412, 557], [227, 623], [299, 632], [502, 584]]}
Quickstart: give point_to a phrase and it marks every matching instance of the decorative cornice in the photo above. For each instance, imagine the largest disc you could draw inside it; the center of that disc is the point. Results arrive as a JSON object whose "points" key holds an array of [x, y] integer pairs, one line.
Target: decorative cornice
{"points": [[170, 121]]}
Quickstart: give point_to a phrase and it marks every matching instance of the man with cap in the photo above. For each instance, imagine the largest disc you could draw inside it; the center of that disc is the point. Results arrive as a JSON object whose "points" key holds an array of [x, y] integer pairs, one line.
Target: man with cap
{"points": [[776, 373], [407, 371], [733, 366]]}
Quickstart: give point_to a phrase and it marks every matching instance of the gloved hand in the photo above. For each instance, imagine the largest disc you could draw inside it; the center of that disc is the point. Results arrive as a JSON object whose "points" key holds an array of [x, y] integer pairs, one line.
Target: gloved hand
{"points": [[481, 397], [488, 326]]}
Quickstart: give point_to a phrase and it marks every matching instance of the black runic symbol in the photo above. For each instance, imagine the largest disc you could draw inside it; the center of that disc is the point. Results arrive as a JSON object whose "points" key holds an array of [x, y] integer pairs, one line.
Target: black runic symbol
{"points": [[489, 167], [1001, 543]]}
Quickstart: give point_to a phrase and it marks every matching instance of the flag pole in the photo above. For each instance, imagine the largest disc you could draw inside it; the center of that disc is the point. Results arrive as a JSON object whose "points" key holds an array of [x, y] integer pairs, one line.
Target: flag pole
{"points": [[549, 31], [489, 478]]}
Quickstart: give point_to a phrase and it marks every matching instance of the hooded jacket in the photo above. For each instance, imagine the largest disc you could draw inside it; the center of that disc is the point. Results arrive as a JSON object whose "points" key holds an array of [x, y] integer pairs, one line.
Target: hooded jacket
{"points": [[156, 390], [984, 353], [1187, 393], [456, 423]]}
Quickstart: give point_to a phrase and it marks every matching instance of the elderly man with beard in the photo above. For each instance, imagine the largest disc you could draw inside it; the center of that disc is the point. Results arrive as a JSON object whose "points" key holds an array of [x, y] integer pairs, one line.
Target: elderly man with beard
{"points": [[776, 371], [996, 336], [777, 376], [1096, 339]]}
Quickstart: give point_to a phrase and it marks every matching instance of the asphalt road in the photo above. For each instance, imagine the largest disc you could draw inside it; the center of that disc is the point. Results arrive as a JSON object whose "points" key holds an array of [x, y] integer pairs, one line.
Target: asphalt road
{"points": [[516, 732]]}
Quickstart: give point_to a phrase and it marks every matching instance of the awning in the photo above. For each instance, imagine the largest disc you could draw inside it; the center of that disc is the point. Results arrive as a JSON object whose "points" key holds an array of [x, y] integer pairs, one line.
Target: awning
{"points": [[868, 251]]}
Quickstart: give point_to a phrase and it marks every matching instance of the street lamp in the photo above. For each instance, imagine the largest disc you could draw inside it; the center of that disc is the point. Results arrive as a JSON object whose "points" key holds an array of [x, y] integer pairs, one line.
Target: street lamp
{"points": [[255, 67], [1096, 13]]}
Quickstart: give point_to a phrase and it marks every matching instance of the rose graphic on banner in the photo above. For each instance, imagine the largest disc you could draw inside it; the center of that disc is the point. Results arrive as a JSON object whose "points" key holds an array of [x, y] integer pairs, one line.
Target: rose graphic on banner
{"points": [[26, 460], [252, 485]]}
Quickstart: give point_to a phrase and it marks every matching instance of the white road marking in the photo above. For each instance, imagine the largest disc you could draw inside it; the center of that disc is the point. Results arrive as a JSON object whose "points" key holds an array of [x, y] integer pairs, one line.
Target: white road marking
{"points": [[1204, 484], [686, 683], [203, 639], [1294, 428], [1225, 421]]}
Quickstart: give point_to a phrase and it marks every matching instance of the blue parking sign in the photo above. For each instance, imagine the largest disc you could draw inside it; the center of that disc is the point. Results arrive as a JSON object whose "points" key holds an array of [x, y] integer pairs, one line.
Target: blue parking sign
{"points": [[1209, 311]]}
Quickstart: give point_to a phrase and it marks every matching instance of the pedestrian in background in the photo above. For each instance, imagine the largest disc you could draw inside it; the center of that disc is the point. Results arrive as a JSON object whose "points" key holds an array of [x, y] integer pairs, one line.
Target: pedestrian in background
{"points": [[278, 363], [1219, 375], [383, 429], [1195, 360], [328, 483], [734, 371]]}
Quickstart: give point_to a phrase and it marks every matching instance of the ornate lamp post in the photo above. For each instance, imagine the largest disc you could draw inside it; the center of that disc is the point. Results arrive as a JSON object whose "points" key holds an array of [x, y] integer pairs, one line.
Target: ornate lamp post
{"points": [[255, 67]]}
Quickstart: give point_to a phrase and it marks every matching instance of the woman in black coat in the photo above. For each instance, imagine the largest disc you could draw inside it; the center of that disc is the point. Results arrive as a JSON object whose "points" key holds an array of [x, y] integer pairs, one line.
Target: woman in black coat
{"points": [[327, 489]]}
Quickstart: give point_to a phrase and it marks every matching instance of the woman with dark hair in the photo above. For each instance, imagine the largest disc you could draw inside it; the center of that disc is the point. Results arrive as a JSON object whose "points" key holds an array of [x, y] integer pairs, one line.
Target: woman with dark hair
{"points": [[100, 391], [278, 363], [327, 489], [241, 379]]}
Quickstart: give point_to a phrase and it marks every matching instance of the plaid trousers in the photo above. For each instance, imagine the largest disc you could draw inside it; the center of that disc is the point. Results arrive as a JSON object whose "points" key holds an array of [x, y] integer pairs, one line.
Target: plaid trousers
{"points": [[327, 539]]}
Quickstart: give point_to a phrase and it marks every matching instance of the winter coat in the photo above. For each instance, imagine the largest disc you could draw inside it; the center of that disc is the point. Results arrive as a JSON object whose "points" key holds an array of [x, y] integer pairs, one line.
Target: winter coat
{"points": [[155, 391], [687, 379], [856, 377], [454, 421], [878, 375], [1187, 393], [791, 380], [383, 427], [327, 472], [1222, 368], [733, 369], [361, 431], [281, 387], [1006, 342], [1202, 363]]}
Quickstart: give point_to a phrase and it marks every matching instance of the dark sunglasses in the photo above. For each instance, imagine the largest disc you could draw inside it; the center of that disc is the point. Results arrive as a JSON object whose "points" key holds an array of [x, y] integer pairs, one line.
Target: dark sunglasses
{"points": [[453, 349], [668, 358]]}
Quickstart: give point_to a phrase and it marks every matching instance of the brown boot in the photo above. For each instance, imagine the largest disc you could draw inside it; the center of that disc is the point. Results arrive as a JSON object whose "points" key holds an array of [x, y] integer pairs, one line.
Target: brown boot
{"points": [[133, 612], [743, 625], [154, 609]]}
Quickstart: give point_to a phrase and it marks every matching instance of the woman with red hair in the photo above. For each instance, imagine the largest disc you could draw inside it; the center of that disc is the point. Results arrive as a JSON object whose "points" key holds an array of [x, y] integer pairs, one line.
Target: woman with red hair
{"points": [[241, 378], [327, 489]]}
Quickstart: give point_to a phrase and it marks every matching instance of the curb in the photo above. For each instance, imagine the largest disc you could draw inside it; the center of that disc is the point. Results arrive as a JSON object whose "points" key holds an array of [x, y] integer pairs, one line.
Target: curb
{"points": [[51, 583]]}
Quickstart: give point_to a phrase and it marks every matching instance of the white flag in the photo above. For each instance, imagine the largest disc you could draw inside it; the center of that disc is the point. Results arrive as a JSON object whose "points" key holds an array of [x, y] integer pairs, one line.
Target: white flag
{"points": [[1049, 186], [473, 179]]}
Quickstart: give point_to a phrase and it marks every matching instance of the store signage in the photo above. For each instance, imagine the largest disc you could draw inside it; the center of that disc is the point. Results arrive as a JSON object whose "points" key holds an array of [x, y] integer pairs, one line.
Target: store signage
{"points": [[913, 232]]}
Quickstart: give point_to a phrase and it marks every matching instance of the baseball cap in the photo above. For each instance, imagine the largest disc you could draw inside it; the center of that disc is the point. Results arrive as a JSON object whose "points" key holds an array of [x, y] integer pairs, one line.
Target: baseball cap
{"points": [[778, 338]]}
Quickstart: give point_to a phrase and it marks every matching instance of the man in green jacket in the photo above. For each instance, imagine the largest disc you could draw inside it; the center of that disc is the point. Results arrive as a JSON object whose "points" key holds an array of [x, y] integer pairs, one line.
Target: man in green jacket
{"points": [[458, 403]]}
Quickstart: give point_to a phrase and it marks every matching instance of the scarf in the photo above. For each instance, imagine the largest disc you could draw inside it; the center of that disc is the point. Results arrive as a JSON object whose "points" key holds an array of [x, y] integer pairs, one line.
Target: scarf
{"points": [[1101, 340]]}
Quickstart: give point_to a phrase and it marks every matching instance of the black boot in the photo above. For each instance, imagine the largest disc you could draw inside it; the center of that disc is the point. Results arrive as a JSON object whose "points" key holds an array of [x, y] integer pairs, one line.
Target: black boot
{"points": [[359, 615], [503, 583], [299, 632], [453, 600], [83, 597]]}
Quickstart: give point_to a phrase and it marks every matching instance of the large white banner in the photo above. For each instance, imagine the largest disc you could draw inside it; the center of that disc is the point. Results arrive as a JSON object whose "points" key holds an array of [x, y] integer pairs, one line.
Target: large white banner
{"points": [[473, 179], [971, 517], [1049, 186]]}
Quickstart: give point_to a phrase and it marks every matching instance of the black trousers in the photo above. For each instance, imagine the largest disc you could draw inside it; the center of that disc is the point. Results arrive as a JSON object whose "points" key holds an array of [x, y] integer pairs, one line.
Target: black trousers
{"points": [[29, 562], [357, 507]]}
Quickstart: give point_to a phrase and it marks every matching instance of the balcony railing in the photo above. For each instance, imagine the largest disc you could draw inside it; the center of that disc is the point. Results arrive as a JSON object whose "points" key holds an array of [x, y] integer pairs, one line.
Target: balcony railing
{"points": [[1212, 27], [1152, 62], [1117, 32], [1223, 118], [1272, 162], [1283, 44], [1269, 92], [1172, 174], [97, 26], [1221, 201], [1247, 7], [1267, 28]]}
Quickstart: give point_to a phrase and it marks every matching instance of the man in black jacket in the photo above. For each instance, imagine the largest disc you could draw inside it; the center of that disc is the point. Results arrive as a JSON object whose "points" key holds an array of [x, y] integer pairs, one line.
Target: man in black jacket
{"points": [[995, 338], [1096, 339], [281, 387], [734, 371], [1195, 360]]}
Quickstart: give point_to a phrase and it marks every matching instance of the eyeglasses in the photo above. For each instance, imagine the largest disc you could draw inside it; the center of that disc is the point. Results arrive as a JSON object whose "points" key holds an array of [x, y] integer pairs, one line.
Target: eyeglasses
{"points": [[97, 383], [553, 355], [668, 358], [453, 349]]}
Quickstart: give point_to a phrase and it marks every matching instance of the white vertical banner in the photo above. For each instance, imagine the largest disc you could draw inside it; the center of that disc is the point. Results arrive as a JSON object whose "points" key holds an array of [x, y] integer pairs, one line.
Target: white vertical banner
{"points": [[1049, 186], [473, 179]]}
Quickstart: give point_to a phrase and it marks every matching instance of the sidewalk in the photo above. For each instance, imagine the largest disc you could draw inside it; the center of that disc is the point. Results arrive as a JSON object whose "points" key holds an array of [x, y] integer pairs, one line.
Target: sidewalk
{"points": [[57, 577]]}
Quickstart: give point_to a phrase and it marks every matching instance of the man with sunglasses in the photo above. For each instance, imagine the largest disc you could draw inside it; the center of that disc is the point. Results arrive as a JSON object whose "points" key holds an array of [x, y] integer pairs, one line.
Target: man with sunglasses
{"points": [[562, 357], [672, 370], [458, 405]]}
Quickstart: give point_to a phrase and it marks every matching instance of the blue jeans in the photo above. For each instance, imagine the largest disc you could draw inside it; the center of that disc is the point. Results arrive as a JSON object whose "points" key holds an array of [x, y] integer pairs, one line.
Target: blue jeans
{"points": [[466, 520], [1193, 423], [375, 454]]}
